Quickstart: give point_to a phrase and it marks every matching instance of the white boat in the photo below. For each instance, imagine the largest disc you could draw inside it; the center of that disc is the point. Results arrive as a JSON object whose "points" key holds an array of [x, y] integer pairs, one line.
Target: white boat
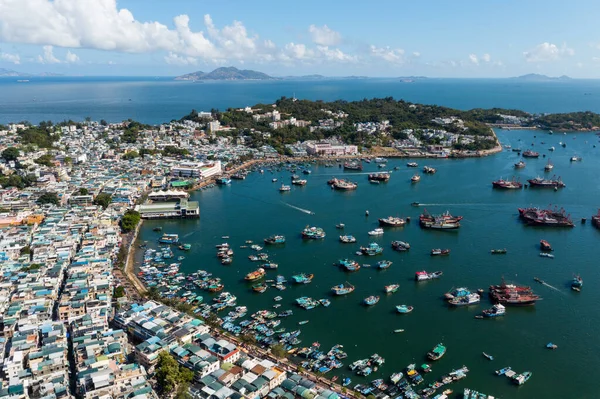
{"points": [[376, 232], [546, 255], [415, 178], [551, 148], [380, 160], [274, 180], [284, 188]]}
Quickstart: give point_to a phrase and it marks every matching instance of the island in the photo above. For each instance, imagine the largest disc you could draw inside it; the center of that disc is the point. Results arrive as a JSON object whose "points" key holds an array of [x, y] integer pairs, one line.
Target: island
{"points": [[225, 73]]}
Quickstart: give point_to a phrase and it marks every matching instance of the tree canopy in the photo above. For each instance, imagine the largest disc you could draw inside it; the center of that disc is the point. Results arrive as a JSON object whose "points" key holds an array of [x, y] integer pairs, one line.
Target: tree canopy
{"points": [[48, 198], [130, 220], [10, 154], [171, 376], [103, 200]]}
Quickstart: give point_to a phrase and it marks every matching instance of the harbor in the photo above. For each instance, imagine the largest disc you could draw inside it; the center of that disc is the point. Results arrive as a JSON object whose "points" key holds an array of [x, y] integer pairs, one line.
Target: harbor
{"points": [[490, 219]]}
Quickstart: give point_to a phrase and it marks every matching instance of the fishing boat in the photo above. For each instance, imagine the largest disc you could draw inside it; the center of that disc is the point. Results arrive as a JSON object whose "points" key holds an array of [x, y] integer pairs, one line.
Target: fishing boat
{"points": [[575, 159], [399, 330], [302, 278], [383, 264], [325, 302], [577, 283], [223, 181], [545, 217], [546, 255], [498, 251], [371, 300], [440, 252], [342, 289], [169, 239], [545, 245], [301, 323], [530, 154], [260, 287], [346, 381], [372, 249], [503, 371], [269, 266], [389, 289], [344, 185], [490, 357], [284, 188], [415, 203], [494, 311], [347, 239], [180, 258], [549, 166], [520, 165], [226, 260], [392, 221], [521, 379], [255, 275], [554, 182], [550, 345], [379, 177], [507, 184], [376, 232], [416, 178], [437, 352], [185, 247], [400, 246], [514, 295], [353, 166], [596, 220], [349, 265], [404, 309], [299, 182], [466, 300], [340, 226], [412, 165], [274, 180], [429, 170], [443, 221], [424, 276], [551, 149], [275, 239], [313, 233]]}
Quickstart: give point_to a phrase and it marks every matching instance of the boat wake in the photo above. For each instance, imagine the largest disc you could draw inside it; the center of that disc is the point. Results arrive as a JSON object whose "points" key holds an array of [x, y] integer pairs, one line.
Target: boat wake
{"points": [[188, 234], [298, 208], [552, 287]]}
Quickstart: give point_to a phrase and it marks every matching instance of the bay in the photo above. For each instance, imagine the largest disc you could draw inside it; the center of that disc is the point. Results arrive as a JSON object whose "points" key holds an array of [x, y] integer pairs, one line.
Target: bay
{"points": [[254, 209], [158, 100]]}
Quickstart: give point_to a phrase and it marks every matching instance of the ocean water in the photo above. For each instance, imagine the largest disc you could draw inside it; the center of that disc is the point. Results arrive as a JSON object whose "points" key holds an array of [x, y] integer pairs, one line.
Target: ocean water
{"points": [[254, 209], [157, 100]]}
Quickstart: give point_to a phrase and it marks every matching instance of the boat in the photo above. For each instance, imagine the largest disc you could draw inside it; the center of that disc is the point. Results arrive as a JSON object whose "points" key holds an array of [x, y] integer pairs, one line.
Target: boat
{"points": [[226, 260], [157, 229], [260, 287], [392, 221], [429, 170], [269, 266], [313, 233], [376, 232], [275, 239], [466, 300], [521, 379], [371, 300], [383, 264], [547, 183], [223, 181], [530, 154], [412, 165], [306, 172], [299, 182], [169, 239], [443, 221], [342, 289], [325, 302], [400, 246], [437, 352], [549, 166], [596, 220], [520, 165], [575, 159], [494, 311], [507, 184], [551, 149], [490, 357], [372, 249], [577, 283], [550, 345], [284, 188], [301, 323], [539, 280], [514, 295], [185, 247], [353, 166], [546, 255], [404, 309], [498, 251], [255, 275], [389, 289], [545, 245], [503, 370], [347, 239], [415, 203], [346, 381], [399, 330], [440, 252], [344, 185], [379, 177], [416, 178], [349, 265], [302, 278], [238, 176], [274, 180], [340, 226], [545, 217], [424, 276], [180, 258]]}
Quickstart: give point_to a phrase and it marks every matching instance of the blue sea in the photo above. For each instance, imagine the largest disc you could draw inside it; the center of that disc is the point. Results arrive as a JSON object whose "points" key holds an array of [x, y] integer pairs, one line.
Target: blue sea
{"points": [[157, 100]]}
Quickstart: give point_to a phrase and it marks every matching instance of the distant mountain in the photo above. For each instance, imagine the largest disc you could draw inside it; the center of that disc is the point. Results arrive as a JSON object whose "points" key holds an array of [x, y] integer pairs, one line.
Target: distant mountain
{"points": [[535, 77], [305, 77], [226, 73], [10, 72]]}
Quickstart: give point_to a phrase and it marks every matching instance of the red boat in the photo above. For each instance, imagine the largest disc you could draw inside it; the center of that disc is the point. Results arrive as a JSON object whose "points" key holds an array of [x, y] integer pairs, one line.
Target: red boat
{"points": [[546, 217], [446, 217], [508, 184], [530, 154], [545, 245], [552, 183], [440, 252], [596, 219], [509, 294]]}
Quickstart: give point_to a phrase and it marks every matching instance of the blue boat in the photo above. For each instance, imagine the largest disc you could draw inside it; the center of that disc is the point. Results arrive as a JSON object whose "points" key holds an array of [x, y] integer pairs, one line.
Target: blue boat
{"points": [[383, 264], [169, 239], [275, 239], [404, 309], [349, 265], [325, 302], [347, 381], [223, 181], [577, 283], [371, 300], [342, 289], [372, 249], [302, 278], [503, 370]]}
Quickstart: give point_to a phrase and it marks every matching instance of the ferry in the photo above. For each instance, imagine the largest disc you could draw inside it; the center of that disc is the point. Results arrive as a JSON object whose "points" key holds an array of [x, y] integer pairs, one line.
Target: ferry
{"points": [[169, 239], [313, 233], [255, 275], [371, 300], [437, 352], [275, 239], [342, 289]]}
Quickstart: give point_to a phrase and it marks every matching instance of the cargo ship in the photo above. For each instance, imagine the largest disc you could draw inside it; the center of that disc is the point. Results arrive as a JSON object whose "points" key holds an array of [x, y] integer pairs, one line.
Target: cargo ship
{"points": [[545, 217], [392, 221], [353, 166], [507, 184], [530, 154], [554, 182], [381, 176], [513, 295]]}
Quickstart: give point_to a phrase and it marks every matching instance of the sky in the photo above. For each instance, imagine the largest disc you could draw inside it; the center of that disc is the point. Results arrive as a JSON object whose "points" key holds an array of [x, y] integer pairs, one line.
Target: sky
{"points": [[383, 38]]}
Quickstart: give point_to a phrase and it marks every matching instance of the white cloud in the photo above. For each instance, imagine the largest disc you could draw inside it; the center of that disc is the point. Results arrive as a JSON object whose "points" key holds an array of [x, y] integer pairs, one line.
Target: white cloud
{"points": [[486, 58], [48, 56], [473, 59], [297, 51], [388, 54], [174, 59], [324, 36], [546, 52], [14, 58], [71, 58], [334, 54], [416, 54]]}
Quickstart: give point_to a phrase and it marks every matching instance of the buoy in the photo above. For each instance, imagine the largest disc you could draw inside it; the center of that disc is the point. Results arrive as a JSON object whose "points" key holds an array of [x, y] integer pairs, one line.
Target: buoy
{"points": [[367, 213]]}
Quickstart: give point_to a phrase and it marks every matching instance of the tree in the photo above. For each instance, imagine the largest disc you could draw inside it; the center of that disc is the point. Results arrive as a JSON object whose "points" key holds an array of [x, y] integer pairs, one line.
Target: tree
{"points": [[279, 351], [48, 198], [103, 200], [130, 220], [119, 292], [10, 154], [45, 160], [131, 155], [83, 191], [171, 376], [103, 122]]}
